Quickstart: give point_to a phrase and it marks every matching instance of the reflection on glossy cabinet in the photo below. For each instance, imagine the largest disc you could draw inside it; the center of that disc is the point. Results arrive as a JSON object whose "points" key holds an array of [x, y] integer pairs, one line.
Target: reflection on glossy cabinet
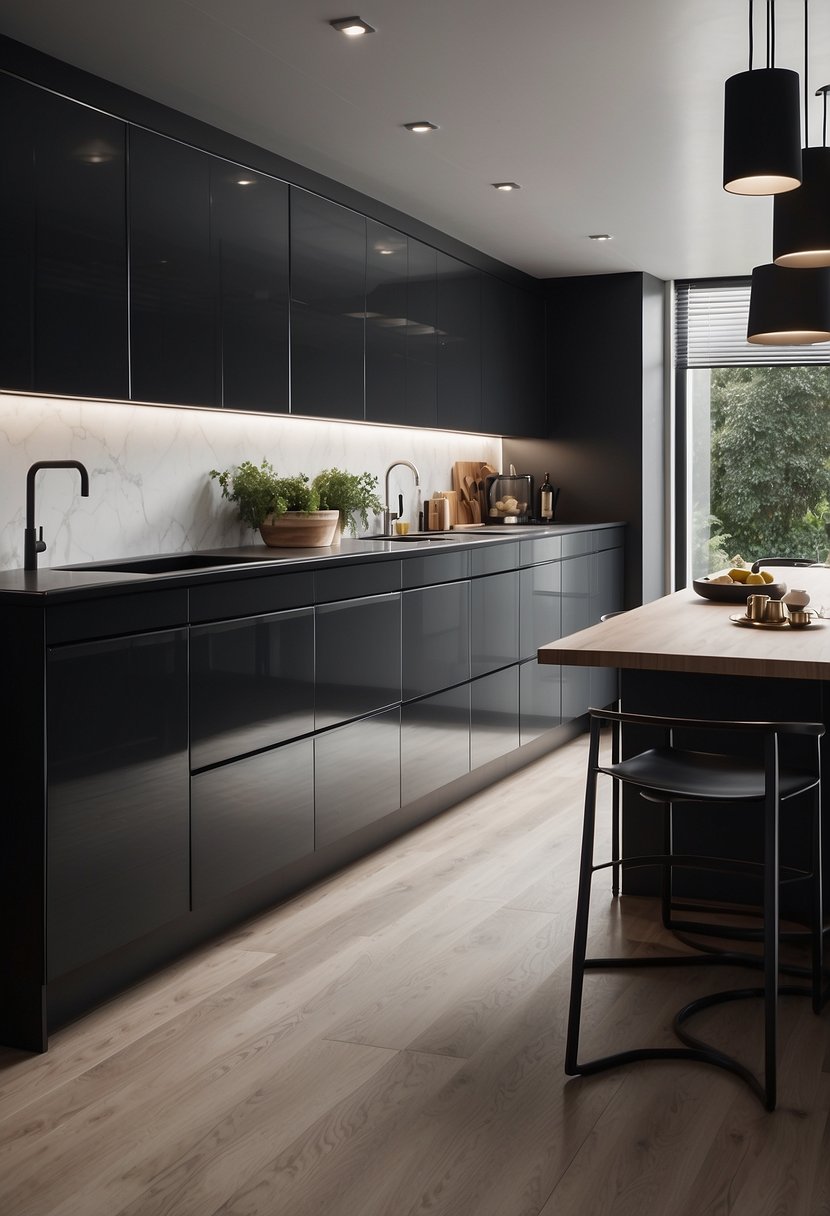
{"points": [[540, 598], [63, 246], [494, 616], [249, 236], [459, 344], [436, 638], [118, 795], [252, 684], [386, 323], [435, 742], [250, 818], [174, 346], [358, 659], [357, 772], [540, 699], [328, 306], [495, 716]]}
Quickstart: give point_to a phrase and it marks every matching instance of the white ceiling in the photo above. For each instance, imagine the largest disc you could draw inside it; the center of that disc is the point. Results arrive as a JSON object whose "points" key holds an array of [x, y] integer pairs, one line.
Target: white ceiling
{"points": [[607, 112]]}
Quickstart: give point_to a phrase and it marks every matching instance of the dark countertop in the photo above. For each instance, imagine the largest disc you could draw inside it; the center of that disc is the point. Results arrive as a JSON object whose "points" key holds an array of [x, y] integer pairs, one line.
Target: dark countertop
{"points": [[89, 580]]}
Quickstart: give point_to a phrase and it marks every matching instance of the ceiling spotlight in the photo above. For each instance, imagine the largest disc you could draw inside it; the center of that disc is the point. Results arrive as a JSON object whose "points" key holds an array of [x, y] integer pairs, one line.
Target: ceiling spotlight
{"points": [[420, 127], [600, 236], [352, 27], [506, 186]]}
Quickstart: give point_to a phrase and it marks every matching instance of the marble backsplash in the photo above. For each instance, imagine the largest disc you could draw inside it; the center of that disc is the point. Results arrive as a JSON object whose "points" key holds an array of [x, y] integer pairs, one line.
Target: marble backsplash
{"points": [[148, 468]]}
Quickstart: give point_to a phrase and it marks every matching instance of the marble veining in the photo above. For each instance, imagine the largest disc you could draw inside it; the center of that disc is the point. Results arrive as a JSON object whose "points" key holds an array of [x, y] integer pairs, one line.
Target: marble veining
{"points": [[148, 469]]}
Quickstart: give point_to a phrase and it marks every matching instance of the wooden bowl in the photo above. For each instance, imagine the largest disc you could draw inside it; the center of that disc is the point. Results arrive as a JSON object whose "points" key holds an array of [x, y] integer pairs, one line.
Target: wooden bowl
{"points": [[300, 529]]}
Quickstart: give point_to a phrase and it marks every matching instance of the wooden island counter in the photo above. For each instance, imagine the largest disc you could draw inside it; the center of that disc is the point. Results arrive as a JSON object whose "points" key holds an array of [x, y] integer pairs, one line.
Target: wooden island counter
{"points": [[681, 655]]}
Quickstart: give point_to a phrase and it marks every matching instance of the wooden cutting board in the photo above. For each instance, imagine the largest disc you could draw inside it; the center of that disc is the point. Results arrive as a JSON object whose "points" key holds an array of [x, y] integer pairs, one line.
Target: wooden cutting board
{"points": [[478, 470]]}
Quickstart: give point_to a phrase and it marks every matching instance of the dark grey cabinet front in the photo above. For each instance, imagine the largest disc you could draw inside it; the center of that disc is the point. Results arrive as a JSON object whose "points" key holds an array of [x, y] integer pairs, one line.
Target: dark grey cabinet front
{"points": [[540, 699], [512, 359], [540, 619], [328, 306], [252, 684], [606, 596], [249, 237], [386, 323], [494, 618], [174, 348], [576, 615], [459, 344], [63, 246], [250, 818], [358, 665], [435, 742], [494, 716], [357, 775], [117, 793], [436, 638]]}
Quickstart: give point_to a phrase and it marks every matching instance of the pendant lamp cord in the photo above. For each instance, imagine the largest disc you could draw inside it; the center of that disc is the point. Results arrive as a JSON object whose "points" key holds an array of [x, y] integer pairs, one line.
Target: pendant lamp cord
{"points": [[822, 92], [750, 35], [806, 65], [770, 33]]}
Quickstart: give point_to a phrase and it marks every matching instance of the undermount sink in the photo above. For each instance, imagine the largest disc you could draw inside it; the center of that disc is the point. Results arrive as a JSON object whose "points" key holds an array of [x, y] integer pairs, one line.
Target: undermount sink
{"points": [[165, 563], [420, 538]]}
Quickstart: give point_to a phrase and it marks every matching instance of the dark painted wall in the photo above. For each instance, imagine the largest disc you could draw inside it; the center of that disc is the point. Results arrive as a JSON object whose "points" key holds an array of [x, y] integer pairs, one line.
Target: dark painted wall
{"points": [[605, 402]]}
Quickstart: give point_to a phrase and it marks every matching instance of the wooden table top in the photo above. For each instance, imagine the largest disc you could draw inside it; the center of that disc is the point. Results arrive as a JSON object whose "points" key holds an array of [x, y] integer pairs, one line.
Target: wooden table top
{"points": [[683, 632]]}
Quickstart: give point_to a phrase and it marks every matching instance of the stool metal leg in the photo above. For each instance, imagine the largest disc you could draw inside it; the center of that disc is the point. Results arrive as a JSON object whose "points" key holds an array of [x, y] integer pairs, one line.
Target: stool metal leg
{"points": [[583, 905], [616, 756]]}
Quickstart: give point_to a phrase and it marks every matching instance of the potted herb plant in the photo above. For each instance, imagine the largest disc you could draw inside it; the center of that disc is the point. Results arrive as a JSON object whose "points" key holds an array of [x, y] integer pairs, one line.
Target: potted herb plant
{"points": [[350, 494], [286, 510]]}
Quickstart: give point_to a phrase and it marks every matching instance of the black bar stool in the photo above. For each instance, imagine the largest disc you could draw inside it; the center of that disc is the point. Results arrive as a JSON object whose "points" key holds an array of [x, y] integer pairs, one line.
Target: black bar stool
{"points": [[671, 774]]}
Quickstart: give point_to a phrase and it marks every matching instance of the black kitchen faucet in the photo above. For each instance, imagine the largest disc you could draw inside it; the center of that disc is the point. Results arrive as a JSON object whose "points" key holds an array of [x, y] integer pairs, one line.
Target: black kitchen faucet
{"points": [[32, 545]]}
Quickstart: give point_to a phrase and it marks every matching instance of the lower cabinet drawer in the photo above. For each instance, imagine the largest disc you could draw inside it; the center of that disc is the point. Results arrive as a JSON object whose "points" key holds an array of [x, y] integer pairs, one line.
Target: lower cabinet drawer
{"points": [[435, 742], [495, 716], [250, 818], [357, 775], [540, 699]]}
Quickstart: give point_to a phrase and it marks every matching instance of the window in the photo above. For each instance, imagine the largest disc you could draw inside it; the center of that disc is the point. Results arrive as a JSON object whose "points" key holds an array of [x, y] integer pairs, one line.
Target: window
{"points": [[757, 428]]}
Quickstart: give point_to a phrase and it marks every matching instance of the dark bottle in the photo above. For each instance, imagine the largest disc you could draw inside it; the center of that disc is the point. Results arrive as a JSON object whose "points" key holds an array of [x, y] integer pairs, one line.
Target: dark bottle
{"points": [[546, 499]]}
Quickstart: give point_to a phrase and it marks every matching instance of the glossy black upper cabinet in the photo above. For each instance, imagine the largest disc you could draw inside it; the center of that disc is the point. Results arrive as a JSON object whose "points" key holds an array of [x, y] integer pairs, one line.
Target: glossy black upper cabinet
{"points": [[63, 246], [387, 258], [459, 345], [401, 346], [173, 286], [328, 305], [512, 359], [249, 231]]}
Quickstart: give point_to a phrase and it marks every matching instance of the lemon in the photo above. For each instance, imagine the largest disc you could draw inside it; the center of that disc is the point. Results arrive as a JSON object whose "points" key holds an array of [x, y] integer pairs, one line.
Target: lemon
{"points": [[755, 579], [768, 577], [739, 576]]}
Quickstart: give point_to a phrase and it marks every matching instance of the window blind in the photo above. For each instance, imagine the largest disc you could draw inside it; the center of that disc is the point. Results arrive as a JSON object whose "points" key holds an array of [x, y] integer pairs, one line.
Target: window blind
{"points": [[710, 329]]}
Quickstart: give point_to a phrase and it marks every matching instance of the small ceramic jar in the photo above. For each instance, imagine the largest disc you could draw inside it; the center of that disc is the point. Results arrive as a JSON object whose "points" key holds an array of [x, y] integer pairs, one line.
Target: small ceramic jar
{"points": [[796, 599]]}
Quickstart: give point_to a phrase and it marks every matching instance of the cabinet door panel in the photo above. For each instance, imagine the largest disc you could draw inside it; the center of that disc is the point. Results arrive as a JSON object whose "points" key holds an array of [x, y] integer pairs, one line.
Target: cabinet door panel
{"points": [[606, 596], [357, 775], [494, 622], [540, 618], [328, 305], [358, 657], [249, 233], [435, 742], [576, 615], [173, 289], [422, 336], [436, 638], [117, 793], [252, 684], [540, 699], [459, 345], [250, 818], [63, 291], [495, 716], [386, 324]]}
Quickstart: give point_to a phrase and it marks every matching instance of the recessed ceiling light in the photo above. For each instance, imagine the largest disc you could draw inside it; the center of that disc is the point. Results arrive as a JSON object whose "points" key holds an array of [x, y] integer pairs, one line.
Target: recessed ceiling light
{"points": [[506, 186], [600, 236], [420, 127], [352, 27]]}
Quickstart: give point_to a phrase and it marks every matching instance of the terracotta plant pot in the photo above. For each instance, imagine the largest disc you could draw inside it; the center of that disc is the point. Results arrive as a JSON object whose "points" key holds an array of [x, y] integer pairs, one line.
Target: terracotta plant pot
{"points": [[300, 529]]}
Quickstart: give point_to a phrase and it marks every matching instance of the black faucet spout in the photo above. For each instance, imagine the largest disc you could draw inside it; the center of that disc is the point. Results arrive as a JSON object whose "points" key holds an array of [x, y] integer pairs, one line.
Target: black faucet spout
{"points": [[32, 543]]}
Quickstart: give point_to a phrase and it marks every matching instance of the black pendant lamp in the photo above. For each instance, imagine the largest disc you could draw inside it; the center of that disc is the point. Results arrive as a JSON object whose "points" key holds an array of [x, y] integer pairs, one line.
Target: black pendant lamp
{"points": [[761, 128], [789, 307]]}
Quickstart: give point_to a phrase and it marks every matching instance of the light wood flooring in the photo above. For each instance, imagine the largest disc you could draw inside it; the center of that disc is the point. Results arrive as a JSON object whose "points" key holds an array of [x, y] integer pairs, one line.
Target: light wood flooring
{"points": [[390, 1043]]}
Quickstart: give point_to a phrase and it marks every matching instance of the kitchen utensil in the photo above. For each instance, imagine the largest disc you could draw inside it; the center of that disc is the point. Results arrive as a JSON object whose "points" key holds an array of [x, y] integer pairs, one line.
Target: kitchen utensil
{"points": [[775, 611], [740, 618], [508, 499], [756, 607]]}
